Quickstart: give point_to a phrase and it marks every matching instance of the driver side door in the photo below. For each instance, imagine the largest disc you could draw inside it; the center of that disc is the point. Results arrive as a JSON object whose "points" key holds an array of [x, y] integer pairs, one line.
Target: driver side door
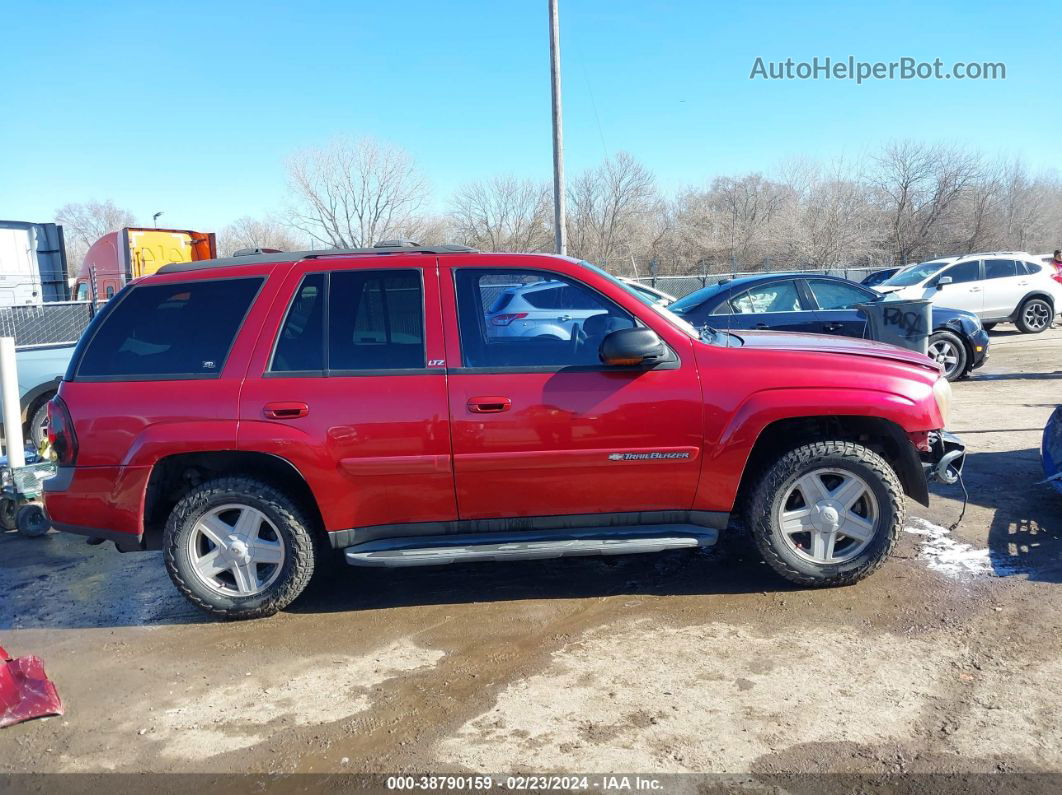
{"points": [[966, 290], [541, 428]]}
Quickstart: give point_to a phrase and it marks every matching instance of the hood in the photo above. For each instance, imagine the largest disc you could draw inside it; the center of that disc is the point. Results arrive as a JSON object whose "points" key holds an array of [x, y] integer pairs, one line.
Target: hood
{"points": [[826, 343]]}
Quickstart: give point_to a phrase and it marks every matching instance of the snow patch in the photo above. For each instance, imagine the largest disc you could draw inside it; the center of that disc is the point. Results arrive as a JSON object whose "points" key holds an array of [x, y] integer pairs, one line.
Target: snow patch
{"points": [[957, 559]]}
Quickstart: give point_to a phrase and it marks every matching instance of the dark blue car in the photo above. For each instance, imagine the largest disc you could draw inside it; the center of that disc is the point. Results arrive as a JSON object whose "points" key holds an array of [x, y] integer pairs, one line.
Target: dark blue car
{"points": [[826, 305]]}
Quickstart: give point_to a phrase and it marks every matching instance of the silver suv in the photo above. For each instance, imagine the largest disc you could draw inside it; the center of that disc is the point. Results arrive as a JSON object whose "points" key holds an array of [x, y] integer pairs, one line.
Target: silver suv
{"points": [[541, 309], [996, 286]]}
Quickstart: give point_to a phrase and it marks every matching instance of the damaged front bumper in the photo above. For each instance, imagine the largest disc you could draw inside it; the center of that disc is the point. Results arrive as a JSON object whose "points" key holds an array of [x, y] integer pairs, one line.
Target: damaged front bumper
{"points": [[944, 460]]}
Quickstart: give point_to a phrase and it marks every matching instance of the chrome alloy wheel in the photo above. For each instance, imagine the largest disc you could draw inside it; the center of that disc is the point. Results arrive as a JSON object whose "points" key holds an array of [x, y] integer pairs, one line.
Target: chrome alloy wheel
{"points": [[1037, 315], [943, 352], [828, 516], [236, 550]]}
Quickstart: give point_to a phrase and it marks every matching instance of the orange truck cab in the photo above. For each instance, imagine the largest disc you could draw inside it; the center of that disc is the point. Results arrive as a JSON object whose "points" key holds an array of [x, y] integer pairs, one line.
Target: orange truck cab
{"points": [[132, 252]]}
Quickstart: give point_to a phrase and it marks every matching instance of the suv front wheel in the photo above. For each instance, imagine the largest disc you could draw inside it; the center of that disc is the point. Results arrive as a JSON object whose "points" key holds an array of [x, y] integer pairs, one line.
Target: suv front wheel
{"points": [[827, 513], [238, 548]]}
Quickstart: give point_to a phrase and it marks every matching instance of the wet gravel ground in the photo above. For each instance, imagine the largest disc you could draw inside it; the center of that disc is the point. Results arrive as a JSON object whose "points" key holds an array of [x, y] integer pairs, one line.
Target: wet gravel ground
{"points": [[946, 660]]}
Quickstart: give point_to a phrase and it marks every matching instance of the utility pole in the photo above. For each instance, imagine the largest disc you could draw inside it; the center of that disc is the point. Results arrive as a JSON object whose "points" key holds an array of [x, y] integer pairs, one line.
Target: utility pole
{"points": [[560, 233]]}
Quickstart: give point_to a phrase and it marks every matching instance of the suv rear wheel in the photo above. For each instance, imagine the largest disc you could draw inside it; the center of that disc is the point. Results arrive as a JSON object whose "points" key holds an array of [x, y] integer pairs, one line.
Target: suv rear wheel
{"points": [[238, 548], [1034, 316], [827, 513]]}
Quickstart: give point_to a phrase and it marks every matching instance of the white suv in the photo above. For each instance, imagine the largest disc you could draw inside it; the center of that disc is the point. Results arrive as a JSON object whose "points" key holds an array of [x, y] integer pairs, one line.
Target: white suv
{"points": [[995, 286]]}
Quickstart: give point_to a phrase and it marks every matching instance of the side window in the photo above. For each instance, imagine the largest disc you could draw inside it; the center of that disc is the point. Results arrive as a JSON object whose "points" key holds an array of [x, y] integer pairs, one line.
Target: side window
{"points": [[964, 272], [1032, 268], [173, 329], [375, 320], [82, 292], [517, 318], [836, 295], [300, 345], [110, 291], [773, 297], [1000, 268]]}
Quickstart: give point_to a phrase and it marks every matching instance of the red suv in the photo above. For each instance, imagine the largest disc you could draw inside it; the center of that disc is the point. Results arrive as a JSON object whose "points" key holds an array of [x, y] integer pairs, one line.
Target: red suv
{"points": [[250, 415]]}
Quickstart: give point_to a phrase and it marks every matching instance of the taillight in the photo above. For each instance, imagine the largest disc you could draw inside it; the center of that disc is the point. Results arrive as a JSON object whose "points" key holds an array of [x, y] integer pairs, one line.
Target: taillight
{"points": [[505, 320], [1057, 275], [61, 434]]}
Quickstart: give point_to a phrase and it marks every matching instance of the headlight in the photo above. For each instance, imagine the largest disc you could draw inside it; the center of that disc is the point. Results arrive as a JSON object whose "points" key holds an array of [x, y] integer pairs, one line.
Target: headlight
{"points": [[942, 394]]}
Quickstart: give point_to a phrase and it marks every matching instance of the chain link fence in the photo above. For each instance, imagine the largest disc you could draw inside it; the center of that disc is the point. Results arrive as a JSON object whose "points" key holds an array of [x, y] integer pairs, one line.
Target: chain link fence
{"points": [[45, 324], [680, 286]]}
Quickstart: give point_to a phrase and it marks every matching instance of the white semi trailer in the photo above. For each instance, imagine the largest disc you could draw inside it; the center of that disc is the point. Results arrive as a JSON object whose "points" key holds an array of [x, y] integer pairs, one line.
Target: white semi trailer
{"points": [[32, 263]]}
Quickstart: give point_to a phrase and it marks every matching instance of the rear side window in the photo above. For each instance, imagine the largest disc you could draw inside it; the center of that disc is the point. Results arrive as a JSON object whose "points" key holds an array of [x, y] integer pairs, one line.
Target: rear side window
{"points": [[375, 321], [1000, 268], [351, 321], [162, 331]]}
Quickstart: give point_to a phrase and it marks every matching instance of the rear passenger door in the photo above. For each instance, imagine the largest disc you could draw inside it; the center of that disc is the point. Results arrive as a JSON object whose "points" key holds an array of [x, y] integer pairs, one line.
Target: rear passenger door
{"points": [[350, 388], [836, 303], [1006, 283]]}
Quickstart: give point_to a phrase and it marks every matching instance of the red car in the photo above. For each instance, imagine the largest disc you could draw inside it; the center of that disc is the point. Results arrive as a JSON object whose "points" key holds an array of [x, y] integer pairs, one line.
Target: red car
{"points": [[250, 415]]}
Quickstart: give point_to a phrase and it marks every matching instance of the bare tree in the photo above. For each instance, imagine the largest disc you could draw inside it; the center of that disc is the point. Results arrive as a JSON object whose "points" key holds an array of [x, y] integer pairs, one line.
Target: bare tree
{"points": [[919, 186], [829, 219], [86, 222], [612, 211], [503, 214], [353, 193], [247, 232]]}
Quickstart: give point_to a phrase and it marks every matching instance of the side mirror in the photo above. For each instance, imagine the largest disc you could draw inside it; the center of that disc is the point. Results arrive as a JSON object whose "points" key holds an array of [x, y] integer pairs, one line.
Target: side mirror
{"points": [[630, 347], [944, 280]]}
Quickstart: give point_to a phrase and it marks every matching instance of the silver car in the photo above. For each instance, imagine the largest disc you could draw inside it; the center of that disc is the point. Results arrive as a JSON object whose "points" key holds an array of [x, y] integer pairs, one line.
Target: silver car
{"points": [[541, 309]]}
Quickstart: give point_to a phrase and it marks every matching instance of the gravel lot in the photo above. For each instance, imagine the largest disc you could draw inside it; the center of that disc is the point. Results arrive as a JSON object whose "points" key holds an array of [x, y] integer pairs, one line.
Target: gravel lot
{"points": [[948, 659]]}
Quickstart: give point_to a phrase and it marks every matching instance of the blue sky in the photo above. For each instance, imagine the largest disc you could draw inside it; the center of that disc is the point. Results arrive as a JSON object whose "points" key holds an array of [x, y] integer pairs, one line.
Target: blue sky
{"points": [[194, 112]]}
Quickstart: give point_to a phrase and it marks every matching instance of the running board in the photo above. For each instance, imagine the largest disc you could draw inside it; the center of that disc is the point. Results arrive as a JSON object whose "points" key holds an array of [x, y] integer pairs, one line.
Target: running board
{"points": [[528, 545]]}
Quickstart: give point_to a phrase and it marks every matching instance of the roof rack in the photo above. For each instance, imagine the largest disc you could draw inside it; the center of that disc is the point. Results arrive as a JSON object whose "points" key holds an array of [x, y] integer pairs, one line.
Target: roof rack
{"points": [[251, 257]]}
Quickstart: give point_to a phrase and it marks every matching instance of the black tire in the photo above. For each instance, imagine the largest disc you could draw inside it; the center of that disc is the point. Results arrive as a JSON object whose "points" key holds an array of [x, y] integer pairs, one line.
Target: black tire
{"points": [[989, 326], [292, 530], [32, 521], [765, 504], [37, 427], [1034, 315], [949, 352]]}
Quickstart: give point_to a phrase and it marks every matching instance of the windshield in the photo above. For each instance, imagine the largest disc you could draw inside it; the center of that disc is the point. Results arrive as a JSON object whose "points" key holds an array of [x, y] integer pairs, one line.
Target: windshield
{"points": [[664, 312], [916, 274]]}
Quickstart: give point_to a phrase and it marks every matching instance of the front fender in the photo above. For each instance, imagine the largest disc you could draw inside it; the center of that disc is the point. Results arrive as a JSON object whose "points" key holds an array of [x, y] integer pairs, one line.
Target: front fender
{"points": [[726, 457]]}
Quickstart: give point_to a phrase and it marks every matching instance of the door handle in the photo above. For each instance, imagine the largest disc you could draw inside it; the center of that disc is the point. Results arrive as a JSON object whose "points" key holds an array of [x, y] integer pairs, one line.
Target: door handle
{"points": [[564, 317], [761, 326], [285, 411], [832, 327], [975, 289], [489, 405]]}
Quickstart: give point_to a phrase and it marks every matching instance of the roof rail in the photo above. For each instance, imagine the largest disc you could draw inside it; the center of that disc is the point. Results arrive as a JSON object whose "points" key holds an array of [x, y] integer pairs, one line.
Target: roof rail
{"points": [[267, 256]]}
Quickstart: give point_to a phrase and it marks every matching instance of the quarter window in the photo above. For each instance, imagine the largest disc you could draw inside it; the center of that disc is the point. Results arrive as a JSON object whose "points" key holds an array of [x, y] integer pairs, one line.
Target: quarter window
{"points": [[165, 330], [517, 318], [300, 346]]}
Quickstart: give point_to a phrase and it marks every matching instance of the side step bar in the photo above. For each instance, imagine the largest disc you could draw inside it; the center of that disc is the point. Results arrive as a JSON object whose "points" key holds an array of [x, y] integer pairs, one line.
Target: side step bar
{"points": [[528, 545]]}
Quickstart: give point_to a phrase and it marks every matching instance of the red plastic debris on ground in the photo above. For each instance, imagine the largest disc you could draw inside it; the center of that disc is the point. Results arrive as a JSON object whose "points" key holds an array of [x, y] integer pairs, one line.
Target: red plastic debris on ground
{"points": [[25, 690]]}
